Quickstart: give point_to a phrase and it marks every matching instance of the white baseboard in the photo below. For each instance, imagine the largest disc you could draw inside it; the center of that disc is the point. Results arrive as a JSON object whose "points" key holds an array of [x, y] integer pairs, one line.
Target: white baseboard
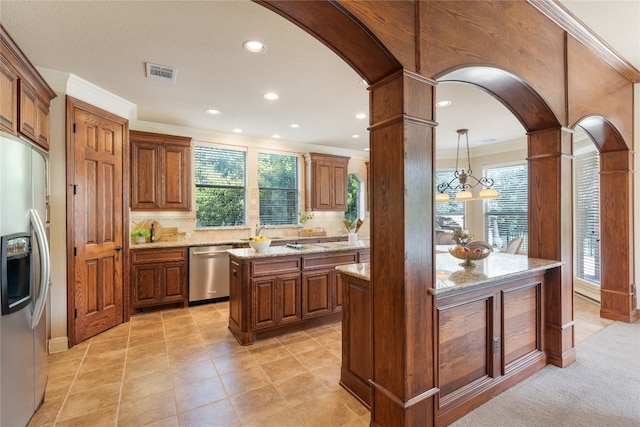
{"points": [[586, 289], [58, 345]]}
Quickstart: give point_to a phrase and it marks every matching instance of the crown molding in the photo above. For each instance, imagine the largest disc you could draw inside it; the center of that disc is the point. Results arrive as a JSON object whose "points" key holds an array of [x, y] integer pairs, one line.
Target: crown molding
{"points": [[578, 30]]}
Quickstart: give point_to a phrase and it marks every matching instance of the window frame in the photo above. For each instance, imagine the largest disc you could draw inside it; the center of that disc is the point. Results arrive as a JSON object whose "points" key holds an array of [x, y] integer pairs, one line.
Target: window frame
{"points": [[298, 158]]}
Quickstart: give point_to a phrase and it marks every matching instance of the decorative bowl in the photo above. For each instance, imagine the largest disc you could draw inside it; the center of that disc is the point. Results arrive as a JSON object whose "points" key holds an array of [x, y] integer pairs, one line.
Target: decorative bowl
{"points": [[469, 256], [259, 245]]}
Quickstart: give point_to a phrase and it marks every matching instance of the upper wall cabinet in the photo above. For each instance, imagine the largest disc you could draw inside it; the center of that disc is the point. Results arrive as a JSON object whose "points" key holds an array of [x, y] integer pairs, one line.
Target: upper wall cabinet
{"points": [[326, 182], [160, 172], [24, 95]]}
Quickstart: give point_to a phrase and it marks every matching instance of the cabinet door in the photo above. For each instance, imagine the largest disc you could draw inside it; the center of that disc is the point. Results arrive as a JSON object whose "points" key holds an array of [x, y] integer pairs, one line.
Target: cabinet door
{"points": [[323, 189], [175, 169], [28, 111], [264, 302], [8, 98], [339, 174], [145, 284], [42, 125], [289, 308], [173, 281], [316, 293], [144, 175], [337, 292]]}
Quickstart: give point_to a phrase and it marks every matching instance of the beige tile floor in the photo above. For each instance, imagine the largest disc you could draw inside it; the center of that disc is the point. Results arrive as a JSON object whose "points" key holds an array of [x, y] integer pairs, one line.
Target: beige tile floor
{"points": [[182, 367]]}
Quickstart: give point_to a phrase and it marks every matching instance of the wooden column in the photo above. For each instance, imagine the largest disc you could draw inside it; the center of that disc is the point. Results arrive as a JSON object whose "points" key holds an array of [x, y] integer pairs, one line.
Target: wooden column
{"points": [[403, 386], [616, 236], [550, 234]]}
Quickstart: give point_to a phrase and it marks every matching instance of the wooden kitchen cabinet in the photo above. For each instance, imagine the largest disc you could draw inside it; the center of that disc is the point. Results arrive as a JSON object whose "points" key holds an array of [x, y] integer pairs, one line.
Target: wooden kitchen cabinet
{"points": [[326, 182], [277, 300], [160, 172], [273, 295], [159, 277], [25, 97]]}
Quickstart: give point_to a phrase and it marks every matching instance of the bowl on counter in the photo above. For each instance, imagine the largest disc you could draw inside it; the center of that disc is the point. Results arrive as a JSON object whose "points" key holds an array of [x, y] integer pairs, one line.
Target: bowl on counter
{"points": [[259, 245], [468, 256]]}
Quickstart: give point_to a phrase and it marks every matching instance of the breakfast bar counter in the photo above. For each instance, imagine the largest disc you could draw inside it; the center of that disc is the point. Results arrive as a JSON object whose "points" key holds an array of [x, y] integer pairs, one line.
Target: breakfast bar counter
{"points": [[490, 327]]}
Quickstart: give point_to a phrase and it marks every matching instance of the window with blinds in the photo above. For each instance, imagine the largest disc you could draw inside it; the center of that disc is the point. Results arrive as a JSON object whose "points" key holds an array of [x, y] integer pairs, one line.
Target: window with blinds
{"points": [[506, 217], [587, 216], [278, 189], [449, 215], [220, 180]]}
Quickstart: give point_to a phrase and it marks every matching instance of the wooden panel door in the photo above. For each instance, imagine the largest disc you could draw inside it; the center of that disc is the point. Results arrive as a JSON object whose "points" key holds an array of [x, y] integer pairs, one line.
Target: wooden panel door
{"points": [[289, 308], [28, 111], [264, 302], [323, 188], [339, 187], [145, 284], [316, 293], [8, 98], [175, 169], [174, 281], [96, 145], [144, 177]]}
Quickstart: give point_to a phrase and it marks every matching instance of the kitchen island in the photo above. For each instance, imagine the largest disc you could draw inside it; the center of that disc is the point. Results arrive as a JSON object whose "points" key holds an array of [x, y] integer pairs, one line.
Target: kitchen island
{"points": [[490, 328], [281, 289]]}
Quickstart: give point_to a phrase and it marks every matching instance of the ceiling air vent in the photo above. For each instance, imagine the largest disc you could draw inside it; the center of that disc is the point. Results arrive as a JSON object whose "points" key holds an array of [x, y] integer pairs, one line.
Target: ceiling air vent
{"points": [[161, 72]]}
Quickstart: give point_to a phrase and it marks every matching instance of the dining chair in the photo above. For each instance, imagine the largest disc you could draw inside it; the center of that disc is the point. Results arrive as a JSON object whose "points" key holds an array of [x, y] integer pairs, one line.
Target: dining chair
{"points": [[479, 244], [513, 247]]}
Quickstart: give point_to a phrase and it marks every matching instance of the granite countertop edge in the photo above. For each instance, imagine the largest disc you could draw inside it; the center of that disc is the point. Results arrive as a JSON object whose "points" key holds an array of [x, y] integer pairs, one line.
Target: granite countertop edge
{"points": [[219, 242]]}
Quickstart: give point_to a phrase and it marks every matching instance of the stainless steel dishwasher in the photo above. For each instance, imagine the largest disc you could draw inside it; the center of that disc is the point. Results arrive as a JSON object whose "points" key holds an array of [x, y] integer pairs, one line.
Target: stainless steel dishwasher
{"points": [[208, 273]]}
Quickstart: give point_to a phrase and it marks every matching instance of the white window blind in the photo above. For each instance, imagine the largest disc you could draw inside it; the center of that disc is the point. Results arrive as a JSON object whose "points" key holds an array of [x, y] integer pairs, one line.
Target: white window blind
{"points": [[449, 215], [587, 216], [220, 180], [278, 188], [507, 216]]}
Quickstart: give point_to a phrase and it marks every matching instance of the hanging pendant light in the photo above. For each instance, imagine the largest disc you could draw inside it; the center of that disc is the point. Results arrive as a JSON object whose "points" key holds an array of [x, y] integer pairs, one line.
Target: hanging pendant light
{"points": [[463, 180]]}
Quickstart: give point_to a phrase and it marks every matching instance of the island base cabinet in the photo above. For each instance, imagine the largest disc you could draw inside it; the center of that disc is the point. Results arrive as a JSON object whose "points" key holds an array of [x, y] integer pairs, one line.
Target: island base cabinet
{"points": [[316, 293], [276, 301]]}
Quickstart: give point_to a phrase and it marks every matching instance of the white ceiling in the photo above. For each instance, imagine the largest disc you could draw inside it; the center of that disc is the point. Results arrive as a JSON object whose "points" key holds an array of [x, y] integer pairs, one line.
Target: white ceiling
{"points": [[108, 43]]}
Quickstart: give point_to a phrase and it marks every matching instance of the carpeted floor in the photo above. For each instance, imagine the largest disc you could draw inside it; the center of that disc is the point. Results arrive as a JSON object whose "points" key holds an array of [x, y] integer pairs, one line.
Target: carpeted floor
{"points": [[602, 388]]}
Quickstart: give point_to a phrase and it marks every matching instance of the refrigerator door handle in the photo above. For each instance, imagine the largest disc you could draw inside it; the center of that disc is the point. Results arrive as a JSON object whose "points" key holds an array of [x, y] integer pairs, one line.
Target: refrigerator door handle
{"points": [[43, 248]]}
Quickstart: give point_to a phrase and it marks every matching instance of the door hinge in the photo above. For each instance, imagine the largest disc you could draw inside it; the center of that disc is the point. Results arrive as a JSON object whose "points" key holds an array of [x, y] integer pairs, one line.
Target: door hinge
{"points": [[74, 128], [75, 313], [496, 345], [75, 189], [75, 251]]}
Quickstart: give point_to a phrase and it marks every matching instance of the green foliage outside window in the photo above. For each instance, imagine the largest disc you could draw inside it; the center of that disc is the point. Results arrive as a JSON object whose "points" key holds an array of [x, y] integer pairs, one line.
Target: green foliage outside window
{"points": [[353, 197], [220, 176], [278, 189]]}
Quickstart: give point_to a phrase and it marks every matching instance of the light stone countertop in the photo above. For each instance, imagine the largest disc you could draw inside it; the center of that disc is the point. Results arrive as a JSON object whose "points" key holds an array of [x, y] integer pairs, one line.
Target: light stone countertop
{"points": [[275, 251], [194, 243], [451, 276]]}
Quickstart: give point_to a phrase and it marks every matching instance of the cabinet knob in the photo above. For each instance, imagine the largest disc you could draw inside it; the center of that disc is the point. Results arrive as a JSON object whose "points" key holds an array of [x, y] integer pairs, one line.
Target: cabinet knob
{"points": [[118, 248]]}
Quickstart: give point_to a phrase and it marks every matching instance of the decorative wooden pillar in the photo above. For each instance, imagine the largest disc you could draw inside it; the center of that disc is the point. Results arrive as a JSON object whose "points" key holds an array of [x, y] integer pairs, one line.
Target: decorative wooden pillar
{"points": [[616, 236], [401, 134], [550, 234]]}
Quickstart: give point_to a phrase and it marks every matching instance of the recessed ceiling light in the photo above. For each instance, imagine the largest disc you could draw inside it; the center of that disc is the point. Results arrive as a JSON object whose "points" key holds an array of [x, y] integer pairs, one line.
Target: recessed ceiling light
{"points": [[276, 136], [254, 46], [355, 136], [236, 130], [360, 116], [294, 125], [271, 96], [443, 103], [213, 112]]}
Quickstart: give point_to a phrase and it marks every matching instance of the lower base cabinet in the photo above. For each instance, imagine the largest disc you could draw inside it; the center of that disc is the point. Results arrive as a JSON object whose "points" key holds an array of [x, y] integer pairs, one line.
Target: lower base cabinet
{"points": [[270, 296], [159, 277]]}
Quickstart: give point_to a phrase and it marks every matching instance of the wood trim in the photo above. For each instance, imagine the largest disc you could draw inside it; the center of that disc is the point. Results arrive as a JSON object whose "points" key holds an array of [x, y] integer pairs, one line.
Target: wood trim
{"points": [[559, 15]]}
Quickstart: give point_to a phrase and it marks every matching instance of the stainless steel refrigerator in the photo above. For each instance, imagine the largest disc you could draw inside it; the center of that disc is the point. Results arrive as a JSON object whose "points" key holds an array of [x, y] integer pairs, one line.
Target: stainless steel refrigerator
{"points": [[24, 276]]}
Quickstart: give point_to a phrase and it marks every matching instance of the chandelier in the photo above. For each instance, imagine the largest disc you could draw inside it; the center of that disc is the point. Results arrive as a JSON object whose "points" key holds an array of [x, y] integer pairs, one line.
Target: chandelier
{"points": [[463, 180]]}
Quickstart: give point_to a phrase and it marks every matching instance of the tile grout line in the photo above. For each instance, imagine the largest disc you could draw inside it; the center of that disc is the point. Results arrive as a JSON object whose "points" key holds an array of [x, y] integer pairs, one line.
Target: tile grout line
{"points": [[124, 370], [75, 376]]}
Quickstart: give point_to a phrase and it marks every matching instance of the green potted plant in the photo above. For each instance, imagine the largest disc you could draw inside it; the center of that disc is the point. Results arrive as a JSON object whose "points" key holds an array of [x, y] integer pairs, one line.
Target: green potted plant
{"points": [[140, 235]]}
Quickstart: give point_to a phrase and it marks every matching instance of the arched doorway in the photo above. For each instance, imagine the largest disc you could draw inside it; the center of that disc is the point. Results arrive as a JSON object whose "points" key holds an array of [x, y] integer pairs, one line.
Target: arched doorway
{"points": [[424, 40]]}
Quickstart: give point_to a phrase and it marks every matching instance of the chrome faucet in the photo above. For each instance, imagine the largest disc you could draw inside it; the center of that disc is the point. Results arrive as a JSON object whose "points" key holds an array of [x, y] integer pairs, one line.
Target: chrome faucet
{"points": [[259, 229]]}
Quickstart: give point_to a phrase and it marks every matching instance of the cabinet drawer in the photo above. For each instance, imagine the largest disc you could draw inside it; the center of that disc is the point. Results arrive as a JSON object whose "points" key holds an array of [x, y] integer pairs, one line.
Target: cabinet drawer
{"points": [[158, 255], [324, 261], [275, 266]]}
